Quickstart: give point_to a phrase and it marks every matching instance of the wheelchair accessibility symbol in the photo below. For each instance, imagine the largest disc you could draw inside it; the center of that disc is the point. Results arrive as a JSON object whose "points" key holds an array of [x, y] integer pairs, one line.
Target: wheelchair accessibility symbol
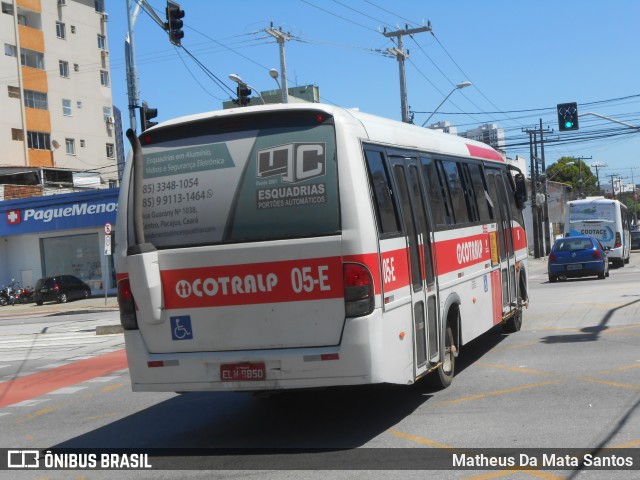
{"points": [[181, 328]]}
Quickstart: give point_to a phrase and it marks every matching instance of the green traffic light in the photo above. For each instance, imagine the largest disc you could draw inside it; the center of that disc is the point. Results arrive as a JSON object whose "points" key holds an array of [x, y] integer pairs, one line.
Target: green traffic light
{"points": [[568, 124]]}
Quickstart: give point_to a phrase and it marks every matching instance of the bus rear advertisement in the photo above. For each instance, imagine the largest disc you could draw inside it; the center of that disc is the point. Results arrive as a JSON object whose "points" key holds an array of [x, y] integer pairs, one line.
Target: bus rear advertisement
{"points": [[296, 246]]}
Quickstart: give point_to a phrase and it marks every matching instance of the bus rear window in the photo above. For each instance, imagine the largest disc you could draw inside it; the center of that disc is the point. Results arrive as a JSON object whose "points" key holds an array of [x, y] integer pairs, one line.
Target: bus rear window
{"points": [[250, 185]]}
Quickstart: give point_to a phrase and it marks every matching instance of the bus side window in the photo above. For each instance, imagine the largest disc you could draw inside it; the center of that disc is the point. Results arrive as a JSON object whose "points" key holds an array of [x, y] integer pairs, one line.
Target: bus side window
{"points": [[456, 192], [436, 194], [469, 191], [516, 213], [484, 207], [386, 211]]}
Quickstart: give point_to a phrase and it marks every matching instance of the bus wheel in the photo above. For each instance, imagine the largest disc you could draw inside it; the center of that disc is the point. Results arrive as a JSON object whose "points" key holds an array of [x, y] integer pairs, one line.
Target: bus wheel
{"points": [[443, 376], [515, 321]]}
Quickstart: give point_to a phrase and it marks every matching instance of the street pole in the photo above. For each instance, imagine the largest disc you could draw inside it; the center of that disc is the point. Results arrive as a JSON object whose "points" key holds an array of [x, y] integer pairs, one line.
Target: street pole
{"points": [[401, 56], [132, 72], [281, 37]]}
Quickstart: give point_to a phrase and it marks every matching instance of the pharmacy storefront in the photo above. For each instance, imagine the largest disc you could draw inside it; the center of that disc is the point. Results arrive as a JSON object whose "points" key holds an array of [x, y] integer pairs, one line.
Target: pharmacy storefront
{"points": [[59, 234]]}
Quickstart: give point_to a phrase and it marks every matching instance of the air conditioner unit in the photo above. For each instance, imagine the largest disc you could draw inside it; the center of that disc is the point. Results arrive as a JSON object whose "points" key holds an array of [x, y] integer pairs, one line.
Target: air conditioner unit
{"points": [[62, 3], [104, 53], [111, 120], [105, 17]]}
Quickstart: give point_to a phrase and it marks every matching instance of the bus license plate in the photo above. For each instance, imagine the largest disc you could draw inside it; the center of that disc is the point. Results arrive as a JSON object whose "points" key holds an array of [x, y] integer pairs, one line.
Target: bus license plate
{"points": [[574, 267], [243, 372]]}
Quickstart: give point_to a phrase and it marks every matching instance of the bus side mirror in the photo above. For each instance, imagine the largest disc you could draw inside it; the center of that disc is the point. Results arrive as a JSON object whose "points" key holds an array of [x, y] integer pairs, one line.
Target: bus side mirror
{"points": [[521, 190]]}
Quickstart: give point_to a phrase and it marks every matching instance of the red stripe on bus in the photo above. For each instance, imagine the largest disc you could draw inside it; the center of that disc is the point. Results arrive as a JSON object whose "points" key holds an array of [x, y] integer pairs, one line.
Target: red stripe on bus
{"points": [[31, 386], [464, 252], [254, 283], [488, 153]]}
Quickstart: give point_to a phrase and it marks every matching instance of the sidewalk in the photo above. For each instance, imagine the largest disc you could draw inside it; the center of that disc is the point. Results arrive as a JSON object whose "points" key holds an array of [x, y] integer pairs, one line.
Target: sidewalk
{"points": [[48, 308]]}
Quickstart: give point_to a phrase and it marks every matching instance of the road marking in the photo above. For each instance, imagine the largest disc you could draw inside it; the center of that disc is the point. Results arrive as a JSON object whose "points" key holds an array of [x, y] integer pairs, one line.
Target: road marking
{"points": [[497, 392], [29, 403], [518, 369], [112, 387], [103, 379], [612, 384], [25, 388], [67, 390], [423, 441]]}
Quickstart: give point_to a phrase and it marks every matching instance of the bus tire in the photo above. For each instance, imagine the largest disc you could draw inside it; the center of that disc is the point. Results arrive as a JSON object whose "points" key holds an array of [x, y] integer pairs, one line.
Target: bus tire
{"points": [[514, 323], [442, 376]]}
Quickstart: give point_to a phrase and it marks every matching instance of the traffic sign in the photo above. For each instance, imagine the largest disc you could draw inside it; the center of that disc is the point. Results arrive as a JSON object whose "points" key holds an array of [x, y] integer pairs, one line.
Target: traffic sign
{"points": [[107, 243]]}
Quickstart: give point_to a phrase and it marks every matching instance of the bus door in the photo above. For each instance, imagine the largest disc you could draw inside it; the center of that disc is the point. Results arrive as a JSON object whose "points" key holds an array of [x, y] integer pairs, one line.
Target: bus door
{"points": [[499, 196], [419, 234]]}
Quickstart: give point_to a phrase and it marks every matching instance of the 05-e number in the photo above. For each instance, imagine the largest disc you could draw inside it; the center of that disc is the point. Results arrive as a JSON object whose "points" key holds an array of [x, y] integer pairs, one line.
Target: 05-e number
{"points": [[305, 279]]}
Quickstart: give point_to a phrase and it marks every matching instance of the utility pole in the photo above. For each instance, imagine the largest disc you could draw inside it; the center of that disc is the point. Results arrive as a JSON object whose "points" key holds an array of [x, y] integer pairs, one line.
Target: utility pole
{"points": [[539, 206], [597, 166], [281, 37], [401, 56], [580, 162], [613, 187], [545, 210]]}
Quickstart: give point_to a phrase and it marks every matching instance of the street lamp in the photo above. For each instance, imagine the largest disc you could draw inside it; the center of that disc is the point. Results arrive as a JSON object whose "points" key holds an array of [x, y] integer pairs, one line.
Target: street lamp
{"points": [[273, 73], [458, 87], [239, 81]]}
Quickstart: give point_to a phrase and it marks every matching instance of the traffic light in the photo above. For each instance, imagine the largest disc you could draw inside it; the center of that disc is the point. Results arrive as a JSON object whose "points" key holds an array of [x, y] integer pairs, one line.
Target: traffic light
{"points": [[146, 114], [567, 116], [243, 95], [174, 23]]}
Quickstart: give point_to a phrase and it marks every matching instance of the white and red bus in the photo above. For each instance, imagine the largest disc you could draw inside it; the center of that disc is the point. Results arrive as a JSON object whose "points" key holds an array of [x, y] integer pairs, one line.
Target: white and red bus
{"points": [[295, 246]]}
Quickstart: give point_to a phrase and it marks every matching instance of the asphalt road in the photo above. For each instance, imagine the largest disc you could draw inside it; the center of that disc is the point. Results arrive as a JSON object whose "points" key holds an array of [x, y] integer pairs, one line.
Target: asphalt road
{"points": [[569, 379]]}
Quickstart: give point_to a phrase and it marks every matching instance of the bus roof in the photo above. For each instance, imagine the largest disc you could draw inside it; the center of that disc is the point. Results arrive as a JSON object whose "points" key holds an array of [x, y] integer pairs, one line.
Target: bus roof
{"points": [[378, 129]]}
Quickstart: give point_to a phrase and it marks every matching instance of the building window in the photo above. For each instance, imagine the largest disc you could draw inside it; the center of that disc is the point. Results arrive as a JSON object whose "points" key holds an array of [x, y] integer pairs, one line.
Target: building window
{"points": [[31, 58], [61, 30], [7, 8], [76, 67], [82, 143], [102, 42], [39, 140], [64, 69], [79, 105], [111, 151], [34, 99], [99, 6], [106, 113], [66, 107], [73, 29], [70, 145], [17, 134], [14, 92], [10, 50], [104, 78]]}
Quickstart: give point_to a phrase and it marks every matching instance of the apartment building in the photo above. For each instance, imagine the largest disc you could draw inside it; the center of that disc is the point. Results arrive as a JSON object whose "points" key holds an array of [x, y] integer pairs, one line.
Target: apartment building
{"points": [[57, 124]]}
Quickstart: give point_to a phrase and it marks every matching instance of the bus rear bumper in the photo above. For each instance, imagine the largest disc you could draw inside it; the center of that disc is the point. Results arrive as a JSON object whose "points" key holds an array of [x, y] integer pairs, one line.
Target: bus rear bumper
{"points": [[346, 364]]}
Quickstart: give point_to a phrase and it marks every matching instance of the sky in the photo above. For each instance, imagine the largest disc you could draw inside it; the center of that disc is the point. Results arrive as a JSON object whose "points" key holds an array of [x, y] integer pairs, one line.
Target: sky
{"points": [[522, 59]]}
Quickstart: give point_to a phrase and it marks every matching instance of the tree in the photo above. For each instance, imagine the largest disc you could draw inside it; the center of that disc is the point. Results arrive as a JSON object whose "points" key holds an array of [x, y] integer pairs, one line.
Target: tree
{"points": [[570, 174]]}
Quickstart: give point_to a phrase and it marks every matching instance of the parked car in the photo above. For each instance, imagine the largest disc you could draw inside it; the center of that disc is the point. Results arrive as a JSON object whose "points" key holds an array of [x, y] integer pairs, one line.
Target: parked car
{"points": [[60, 288], [635, 240], [573, 257]]}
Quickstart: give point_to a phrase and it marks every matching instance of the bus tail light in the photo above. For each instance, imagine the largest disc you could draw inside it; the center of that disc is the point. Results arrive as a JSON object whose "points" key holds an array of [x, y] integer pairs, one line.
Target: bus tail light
{"points": [[127, 306], [359, 296], [618, 240]]}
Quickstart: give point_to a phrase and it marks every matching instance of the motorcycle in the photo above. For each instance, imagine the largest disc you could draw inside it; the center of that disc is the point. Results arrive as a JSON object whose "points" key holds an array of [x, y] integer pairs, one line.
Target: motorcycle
{"points": [[23, 295], [4, 296]]}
